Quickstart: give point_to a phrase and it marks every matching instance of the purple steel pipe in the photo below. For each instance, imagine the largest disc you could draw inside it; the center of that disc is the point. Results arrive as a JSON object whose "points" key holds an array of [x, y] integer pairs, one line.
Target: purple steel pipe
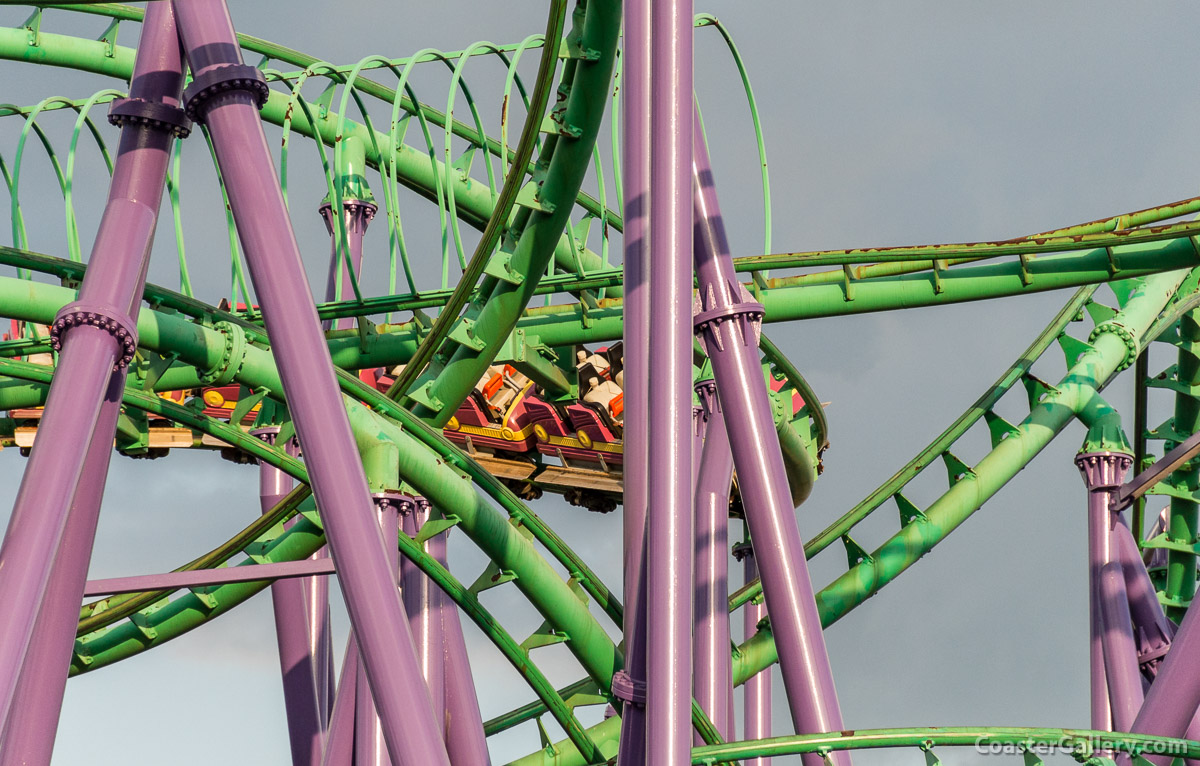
{"points": [[465, 739], [33, 722], [97, 335], [225, 95], [727, 322], [339, 745], [757, 689], [635, 166], [1151, 628], [669, 497], [713, 666], [369, 747], [358, 213], [306, 725], [422, 602], [191, 578], [1120, 652], [1174, 696], [1102, 473]]}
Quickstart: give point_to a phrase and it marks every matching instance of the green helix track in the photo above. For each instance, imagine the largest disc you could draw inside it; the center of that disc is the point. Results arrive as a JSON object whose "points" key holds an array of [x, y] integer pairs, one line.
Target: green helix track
{"points": [[536, 219]]}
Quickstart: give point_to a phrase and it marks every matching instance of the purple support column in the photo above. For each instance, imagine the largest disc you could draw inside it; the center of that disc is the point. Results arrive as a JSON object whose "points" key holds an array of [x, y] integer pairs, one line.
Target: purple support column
{"points": [[756, 691], [226, 95], [635, 166], [1152, 630], [339, 745], [727, 321], [669, 496], [97, 335], [1120, 652], [357, 214], [369, 746], [306, 723], [1174, 696], [1102, 473], [421, 602], [33, 722], [713, 666], [465, 739]]}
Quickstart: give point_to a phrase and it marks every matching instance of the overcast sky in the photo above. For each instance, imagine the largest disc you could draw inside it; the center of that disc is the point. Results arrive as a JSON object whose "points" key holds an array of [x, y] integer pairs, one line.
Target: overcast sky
{"points": [[886, 124]]}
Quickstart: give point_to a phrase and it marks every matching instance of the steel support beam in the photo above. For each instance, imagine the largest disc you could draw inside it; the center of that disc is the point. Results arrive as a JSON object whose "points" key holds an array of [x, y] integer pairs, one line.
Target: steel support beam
{"points": [[225, 95]]}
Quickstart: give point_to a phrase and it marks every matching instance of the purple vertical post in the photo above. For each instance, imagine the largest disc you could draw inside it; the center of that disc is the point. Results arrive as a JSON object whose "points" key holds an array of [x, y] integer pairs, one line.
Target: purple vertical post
{"points": [[1102, 473], [28, 738], [669, 497], [713, 665], [358, 208], [1120, 653], [635, 174], [339, 745], [421, 601], [465, 739], [369, 746], [1151, 628], [727, 322], [97, 335], [756, 709], [225, 95], [1174, 696], [306, 723]]}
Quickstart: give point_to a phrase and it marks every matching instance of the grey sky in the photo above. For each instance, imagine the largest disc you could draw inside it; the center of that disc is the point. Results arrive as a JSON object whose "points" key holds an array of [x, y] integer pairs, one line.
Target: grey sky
{"points": [[886, 124]]}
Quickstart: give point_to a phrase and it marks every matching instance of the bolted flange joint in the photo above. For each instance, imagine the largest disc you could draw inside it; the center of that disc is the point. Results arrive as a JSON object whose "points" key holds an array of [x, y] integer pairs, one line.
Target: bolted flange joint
{"points": [[222, 79], [746, 314], [151, 114], [1122, 332], [1103, 470], [742, 550], [115, 323], [402, 503], [627, 688], [232, 357], [706, 392]]}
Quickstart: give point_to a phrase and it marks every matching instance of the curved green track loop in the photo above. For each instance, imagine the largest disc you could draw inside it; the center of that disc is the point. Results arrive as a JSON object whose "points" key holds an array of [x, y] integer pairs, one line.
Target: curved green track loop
{"points": [[500, 214], [908, 259], [1082, 744]]}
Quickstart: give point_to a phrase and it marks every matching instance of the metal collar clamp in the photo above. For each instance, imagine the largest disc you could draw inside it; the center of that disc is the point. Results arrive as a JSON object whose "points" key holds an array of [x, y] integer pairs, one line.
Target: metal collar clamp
{"points": [[115, 323], [626, 687], [150, 114], [712, 318], [742, 550], [220, 80]]}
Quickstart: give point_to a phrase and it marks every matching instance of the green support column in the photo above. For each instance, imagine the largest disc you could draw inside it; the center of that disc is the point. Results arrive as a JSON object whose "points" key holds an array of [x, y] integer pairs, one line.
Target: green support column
{"points": [[1184, 515]]}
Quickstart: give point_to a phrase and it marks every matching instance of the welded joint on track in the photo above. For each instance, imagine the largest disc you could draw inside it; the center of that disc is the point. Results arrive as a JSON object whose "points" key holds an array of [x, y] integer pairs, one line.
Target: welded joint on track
{"points": [[855, 554], [109, 38], [435, 527], [463, 333], [1073, 348], [491, 577], [33, 28], [909, 512], [500, 267], [233, 356]]}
